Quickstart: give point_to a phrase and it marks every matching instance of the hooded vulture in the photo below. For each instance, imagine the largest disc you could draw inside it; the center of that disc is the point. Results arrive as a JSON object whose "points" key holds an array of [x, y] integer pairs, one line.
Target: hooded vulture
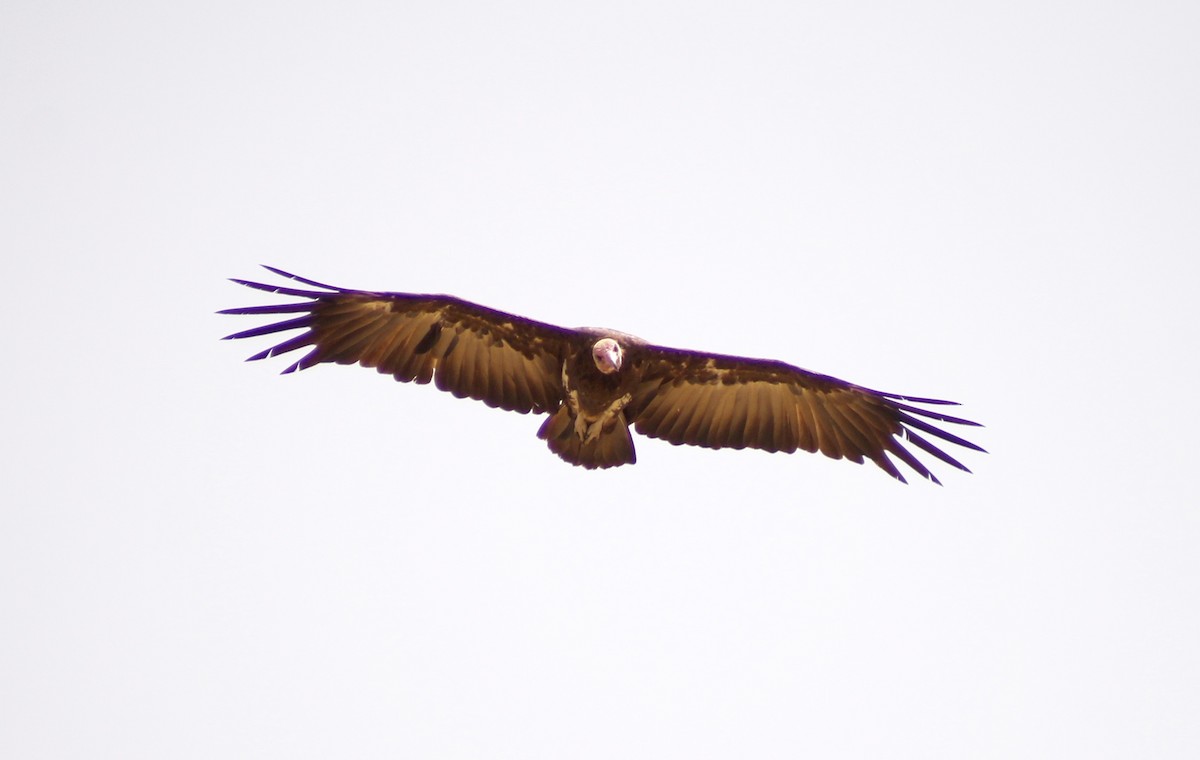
{"points": [[595, 383]]}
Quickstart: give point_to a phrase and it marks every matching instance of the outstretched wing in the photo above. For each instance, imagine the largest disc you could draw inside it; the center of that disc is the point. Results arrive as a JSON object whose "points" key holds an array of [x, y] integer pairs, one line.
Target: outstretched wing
{"points": [[469, 350], [720, 401]]}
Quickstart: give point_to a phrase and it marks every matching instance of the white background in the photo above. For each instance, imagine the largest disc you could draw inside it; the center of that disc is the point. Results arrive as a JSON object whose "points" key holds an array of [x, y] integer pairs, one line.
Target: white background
{"points": [[994, 203]]}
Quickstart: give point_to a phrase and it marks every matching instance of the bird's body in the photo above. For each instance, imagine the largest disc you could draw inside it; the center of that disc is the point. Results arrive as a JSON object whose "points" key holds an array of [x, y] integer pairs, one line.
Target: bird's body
{"points": [[595, 383], [590, 427]]}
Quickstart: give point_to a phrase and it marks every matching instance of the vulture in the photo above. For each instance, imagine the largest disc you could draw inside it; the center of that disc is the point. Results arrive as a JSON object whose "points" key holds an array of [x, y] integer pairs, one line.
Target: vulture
{"points": [[594, 383]]}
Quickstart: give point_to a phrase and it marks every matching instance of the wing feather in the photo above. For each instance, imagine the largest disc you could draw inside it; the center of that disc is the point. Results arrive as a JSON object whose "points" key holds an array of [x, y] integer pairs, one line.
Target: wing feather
{"points": [[472, 372], [449, 375], [289, 345], [808, 420], [520, 385], [721, 401], [467, 349], [934, 450], [904, 455], [754, 418], [786, 417], [490, 370], [287, 324], [854, 444], [735, 434], [511, 394], [385, 354], [704, 397], [913, 422], [827, 437], [734, 426]]}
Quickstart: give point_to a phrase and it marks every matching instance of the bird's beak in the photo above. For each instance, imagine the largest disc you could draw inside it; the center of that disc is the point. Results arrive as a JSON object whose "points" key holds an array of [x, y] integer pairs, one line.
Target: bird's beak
{"points": [[614, 358]]}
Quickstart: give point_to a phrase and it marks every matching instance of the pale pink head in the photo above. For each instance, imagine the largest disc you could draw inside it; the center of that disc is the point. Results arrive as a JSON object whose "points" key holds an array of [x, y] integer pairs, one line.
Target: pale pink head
{"points": [[606, 352]]}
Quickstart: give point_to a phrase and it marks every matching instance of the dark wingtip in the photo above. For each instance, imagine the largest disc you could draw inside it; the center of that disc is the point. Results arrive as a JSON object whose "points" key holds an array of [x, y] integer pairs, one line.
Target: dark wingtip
{"points": [[918, 399], [298, 278], [284, 290]]}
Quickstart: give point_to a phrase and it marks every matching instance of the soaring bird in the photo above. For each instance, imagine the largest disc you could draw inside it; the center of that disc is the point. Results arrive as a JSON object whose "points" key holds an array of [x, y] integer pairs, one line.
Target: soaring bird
{"points": [[594, 383]]}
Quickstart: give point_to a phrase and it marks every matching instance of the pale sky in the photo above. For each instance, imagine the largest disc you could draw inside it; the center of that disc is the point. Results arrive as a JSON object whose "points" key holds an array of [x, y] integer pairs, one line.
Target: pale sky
{"points": [[992, 203]]}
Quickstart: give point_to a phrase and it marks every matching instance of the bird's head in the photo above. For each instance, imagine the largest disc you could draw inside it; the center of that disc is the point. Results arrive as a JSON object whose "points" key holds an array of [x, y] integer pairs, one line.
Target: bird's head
{"points": [[606, 352]]}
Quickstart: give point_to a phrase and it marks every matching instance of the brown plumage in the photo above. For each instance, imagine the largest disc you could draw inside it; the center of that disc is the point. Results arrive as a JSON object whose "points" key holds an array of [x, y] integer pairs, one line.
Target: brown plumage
{"points": [[595, 383]]}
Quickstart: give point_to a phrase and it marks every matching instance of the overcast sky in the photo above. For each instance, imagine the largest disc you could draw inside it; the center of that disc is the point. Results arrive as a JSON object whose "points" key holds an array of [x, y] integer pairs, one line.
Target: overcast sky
{"points": [[994, 203]]}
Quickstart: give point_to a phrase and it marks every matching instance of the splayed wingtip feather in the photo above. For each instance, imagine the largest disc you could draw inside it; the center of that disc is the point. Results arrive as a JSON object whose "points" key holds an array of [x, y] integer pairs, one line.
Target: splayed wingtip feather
{"points": [[298, 278]]}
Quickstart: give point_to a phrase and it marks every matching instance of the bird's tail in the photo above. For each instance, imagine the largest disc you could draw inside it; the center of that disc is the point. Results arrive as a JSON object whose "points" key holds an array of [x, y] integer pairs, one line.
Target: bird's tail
{"points": [[612, 447]]}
